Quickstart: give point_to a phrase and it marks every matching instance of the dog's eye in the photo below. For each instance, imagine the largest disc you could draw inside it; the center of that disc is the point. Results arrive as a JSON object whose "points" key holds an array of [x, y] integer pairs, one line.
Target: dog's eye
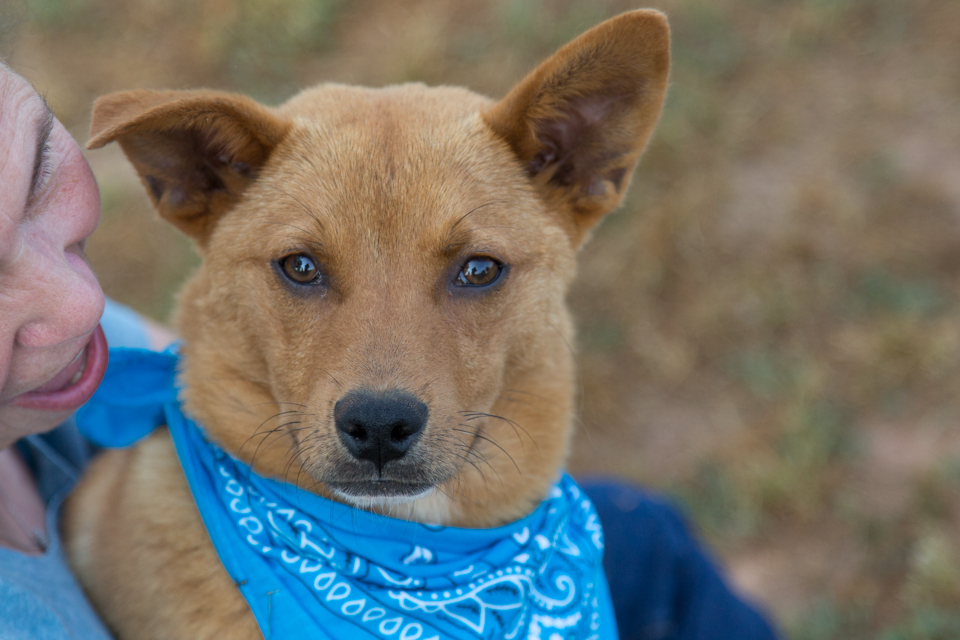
{"points": [[478, 272], [300, 268]]}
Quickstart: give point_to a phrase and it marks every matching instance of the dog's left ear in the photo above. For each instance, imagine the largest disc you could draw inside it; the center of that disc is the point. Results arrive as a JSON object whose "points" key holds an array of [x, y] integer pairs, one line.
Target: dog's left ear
{"points": [[579, 122], [196, 151]]}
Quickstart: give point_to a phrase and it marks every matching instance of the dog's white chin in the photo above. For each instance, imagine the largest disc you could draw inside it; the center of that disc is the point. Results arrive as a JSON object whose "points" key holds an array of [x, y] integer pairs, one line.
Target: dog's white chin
{"points": [[380, 503], [427, 507]]}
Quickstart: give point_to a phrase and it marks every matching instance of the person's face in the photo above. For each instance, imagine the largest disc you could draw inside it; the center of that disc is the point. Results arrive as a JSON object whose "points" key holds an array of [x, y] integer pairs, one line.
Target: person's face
{"points": [[52, 353]]}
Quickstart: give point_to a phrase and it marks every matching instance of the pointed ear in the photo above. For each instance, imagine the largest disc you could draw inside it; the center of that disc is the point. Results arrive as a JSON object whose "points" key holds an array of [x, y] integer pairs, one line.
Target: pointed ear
{"points": [[195, 151], [580, 121]]}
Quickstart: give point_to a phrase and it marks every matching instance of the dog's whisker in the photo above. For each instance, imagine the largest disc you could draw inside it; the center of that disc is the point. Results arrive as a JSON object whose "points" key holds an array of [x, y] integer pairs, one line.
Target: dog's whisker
{"points": [[426, 385], [493, 226], [472, 450], [474, 465], [311, 239], [483, 459], [298, 453], [517, 427], [279, 435], [276, 415], [496, 444], [473, 211], [309, 160], [469, 450], [458, 491], [330, 375], [456, 237], [301, 453], [303, 207], [282, 432], [256, 433], [265, 434], [260, 404]]}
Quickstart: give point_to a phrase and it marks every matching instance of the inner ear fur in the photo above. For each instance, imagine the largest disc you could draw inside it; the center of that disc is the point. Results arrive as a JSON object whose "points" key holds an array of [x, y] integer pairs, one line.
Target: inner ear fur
{"points": [[195, 151], [579, 122]]}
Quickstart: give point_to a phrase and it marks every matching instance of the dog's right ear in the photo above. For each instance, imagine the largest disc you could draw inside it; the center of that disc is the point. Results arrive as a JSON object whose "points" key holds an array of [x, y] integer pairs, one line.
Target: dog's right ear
{"points": [[196, 151], [579, 122]]}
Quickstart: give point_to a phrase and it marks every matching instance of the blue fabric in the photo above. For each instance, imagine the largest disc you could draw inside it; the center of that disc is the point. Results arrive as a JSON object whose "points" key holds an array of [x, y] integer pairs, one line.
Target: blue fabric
{"points": [[306, 563], [39, 597], [123, 327], [664, 586]]}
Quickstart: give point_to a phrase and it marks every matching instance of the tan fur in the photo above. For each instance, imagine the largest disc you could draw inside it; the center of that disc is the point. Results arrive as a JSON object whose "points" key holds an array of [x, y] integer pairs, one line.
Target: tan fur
{"points": [[391, 190]]}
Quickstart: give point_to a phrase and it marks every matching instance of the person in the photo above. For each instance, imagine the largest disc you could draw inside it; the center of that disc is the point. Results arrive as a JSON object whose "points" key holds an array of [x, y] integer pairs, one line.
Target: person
{"points": [[53, 319]]}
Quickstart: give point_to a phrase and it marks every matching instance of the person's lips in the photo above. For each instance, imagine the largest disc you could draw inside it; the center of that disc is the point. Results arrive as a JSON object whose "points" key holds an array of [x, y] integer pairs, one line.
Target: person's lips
{"points": [[69, 375], [75, 383]]}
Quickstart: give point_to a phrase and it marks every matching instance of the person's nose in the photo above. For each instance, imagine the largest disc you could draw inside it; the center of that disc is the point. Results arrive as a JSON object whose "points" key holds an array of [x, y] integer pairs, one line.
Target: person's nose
{"points": [[65, 303]]}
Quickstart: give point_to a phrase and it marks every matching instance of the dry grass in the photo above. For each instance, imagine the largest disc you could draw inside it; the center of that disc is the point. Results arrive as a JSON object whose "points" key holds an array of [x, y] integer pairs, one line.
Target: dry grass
{"points": [[770, 328]]}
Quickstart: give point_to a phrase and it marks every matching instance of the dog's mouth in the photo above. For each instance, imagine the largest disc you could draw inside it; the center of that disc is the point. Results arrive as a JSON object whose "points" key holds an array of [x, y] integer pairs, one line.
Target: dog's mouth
{"points": [[361, 485], [385, 453]]}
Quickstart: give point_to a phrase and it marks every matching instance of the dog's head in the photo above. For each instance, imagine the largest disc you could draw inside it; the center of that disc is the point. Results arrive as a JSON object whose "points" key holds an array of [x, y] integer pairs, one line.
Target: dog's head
{"points": [[379, 315]]}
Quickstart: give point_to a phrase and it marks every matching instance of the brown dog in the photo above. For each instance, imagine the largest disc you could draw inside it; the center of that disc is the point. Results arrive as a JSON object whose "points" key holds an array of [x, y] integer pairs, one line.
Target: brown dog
{"points": [[408, 243]]}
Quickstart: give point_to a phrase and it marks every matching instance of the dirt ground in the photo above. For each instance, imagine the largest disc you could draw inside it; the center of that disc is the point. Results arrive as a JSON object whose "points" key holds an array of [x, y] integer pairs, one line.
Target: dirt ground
{"points": [[769, 327]]}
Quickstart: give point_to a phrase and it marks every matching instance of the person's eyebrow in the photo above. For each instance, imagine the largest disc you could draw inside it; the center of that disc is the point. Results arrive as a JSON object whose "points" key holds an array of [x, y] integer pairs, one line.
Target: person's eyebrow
{"points": [[44, 127]]}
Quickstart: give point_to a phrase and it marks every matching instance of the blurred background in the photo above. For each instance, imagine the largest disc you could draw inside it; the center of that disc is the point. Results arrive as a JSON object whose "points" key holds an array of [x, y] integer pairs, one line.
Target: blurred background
{"points": [[770, 325]]}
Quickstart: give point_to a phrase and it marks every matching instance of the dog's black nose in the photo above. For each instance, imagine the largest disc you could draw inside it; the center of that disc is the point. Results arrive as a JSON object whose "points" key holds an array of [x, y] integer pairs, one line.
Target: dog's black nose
{"points": [[379, 427]]}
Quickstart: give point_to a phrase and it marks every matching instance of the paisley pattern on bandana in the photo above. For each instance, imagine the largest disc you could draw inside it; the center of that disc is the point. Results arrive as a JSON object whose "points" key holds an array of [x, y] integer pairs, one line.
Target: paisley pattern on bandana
{"points": [[305, 563]]}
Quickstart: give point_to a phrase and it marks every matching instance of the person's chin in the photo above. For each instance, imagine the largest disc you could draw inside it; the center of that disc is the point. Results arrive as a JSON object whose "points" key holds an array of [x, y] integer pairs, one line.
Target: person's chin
{"points": [[17, 422]]}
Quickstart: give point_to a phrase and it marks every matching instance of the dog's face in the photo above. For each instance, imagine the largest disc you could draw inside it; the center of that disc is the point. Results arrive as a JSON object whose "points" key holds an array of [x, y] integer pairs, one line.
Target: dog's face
{"points": [[386, 273], [379, 315]]}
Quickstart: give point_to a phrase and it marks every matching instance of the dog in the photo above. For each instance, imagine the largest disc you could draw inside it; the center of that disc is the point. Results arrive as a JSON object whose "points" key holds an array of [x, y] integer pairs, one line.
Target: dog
{"points": [[379, 317]]}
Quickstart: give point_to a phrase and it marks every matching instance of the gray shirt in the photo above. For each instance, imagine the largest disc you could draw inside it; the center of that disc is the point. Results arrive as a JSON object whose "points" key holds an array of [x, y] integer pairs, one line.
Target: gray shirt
{"points": [[39, 597]]}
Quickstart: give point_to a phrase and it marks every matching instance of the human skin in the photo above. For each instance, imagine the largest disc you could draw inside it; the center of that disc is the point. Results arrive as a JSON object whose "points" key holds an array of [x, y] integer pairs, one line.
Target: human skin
{"points": [[50, 301]]}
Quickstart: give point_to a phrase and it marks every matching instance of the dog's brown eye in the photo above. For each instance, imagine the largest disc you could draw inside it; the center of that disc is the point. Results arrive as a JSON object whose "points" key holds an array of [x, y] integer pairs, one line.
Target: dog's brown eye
{"points": [[300, 268], [478, 272]]}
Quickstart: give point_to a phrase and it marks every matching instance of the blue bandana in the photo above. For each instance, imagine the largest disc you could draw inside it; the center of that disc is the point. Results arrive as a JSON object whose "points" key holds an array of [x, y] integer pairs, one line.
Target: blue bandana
{"points": [[306, 563]]}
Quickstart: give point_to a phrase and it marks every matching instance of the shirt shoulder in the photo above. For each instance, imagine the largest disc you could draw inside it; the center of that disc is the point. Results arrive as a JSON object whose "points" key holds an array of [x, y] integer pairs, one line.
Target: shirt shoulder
{"points": [[24, 616]]}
